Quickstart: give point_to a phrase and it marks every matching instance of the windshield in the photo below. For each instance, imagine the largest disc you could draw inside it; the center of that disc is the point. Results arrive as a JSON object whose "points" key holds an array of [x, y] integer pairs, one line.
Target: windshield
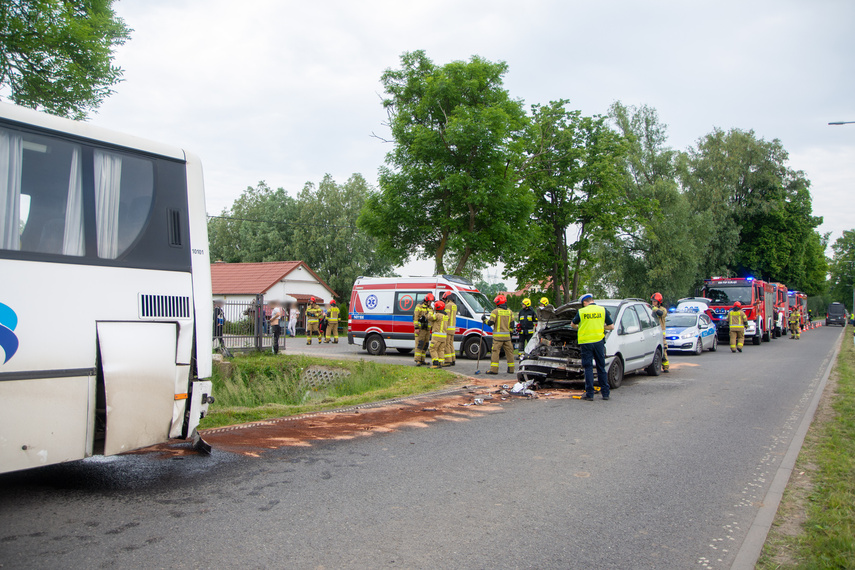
{"points": [[477, 301], [610, 309], [729, 295], [674, 320]]}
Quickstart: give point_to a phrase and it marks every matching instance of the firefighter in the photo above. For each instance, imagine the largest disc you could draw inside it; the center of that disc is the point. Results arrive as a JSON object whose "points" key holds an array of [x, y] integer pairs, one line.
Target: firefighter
{"points": [[422, 330], [451, 328], [438, 326], [502, 321], [795, 325], [542, 306], [527, 321], [737, 320], [332, 322], [313, 317], [660, 312]]}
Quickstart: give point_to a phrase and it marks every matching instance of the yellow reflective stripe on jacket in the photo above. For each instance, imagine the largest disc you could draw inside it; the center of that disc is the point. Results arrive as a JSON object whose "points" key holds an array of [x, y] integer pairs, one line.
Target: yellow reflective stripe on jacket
{"points": [[592, 324], [332, 314], [501, 319]]}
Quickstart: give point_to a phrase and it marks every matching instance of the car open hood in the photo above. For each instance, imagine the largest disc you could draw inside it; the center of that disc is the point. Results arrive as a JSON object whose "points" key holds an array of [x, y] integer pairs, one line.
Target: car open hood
{"points": [[564, 312]]}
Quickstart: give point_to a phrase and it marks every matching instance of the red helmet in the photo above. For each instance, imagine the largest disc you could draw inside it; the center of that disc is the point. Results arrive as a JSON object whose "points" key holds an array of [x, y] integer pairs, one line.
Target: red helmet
{"points": [[312, 299], [429, 297], [332, 301], [737, 305], [500, 300], [447, 294], [439, 306], [657, 297]]}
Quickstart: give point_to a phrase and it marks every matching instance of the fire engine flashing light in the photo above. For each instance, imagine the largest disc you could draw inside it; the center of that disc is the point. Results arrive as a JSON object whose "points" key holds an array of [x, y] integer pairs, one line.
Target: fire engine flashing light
{"points": [[749, 279]]}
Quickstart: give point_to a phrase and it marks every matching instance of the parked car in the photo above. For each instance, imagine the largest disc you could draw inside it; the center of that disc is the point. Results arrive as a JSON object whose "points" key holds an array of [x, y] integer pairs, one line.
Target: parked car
{"points": [[836, 315], [690, 330], [553, 352]]}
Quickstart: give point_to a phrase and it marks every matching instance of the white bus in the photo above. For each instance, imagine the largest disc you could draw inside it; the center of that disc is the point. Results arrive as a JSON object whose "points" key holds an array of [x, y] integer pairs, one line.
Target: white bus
{"points": [[105, 292]]}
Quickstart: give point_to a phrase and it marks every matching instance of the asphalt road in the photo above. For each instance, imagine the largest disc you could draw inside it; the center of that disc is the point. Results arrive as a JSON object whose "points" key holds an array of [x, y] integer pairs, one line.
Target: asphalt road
{"points": [[670, 473]]}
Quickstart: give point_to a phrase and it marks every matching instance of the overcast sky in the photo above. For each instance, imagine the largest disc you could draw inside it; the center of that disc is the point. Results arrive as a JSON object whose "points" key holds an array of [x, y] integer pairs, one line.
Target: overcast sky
{"points": [[286, 91]]}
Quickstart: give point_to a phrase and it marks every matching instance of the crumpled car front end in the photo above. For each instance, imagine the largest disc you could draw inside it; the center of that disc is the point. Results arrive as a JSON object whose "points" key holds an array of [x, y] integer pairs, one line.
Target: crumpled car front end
{"points": [[553, 351]]}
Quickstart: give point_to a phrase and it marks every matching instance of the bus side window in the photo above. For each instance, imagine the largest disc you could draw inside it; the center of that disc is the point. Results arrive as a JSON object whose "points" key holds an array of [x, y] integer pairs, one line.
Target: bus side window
{"points": [[124, 190]]}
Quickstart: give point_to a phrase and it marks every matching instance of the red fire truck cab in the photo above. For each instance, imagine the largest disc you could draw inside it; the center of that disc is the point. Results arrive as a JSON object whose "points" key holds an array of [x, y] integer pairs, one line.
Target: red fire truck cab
{"points": [[782, 309], [798, 303], [758, 302]]}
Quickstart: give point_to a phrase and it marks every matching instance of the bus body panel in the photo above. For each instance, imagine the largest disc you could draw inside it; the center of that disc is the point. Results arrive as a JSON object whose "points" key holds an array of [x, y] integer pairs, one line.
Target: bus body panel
{"points": [[201, 266]]}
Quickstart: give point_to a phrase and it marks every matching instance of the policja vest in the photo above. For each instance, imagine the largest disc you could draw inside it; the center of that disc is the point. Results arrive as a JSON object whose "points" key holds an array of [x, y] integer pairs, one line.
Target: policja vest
{"points": [[592, 324]]}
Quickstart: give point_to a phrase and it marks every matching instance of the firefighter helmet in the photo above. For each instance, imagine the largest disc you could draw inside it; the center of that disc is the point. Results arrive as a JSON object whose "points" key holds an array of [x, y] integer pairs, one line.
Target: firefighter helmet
{"points": [[544, 301], [526, 302], [332, 301], [312, 300], [429, 297], [439, 306], [500, 300], [657, 297], [737, 305], [447, 294]]}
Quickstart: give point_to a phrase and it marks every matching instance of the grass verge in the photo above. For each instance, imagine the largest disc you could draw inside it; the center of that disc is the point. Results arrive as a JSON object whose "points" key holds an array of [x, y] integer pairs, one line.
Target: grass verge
{"points": [[815, 524], [260, 386]]}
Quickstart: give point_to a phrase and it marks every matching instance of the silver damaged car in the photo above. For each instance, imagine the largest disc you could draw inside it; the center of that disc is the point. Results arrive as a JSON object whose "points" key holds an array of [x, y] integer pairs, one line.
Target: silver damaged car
{"points": [[553, 353]]}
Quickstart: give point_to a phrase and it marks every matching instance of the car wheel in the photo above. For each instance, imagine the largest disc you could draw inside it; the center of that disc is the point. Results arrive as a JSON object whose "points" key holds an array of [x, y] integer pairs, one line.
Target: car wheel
{"points": [[471, 346], [700, 348], [655, 368], [714, 346], [404, 350], [616, 373], [375, 345]]}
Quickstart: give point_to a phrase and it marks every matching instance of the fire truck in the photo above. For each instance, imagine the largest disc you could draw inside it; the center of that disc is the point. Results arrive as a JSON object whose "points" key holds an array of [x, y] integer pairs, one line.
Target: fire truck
{"points": [[798, 302], [782, 309], [758, 302]]}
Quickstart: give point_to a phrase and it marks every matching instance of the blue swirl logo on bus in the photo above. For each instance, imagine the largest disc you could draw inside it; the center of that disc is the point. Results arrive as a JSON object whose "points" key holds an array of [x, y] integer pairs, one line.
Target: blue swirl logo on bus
{"points": [[8, 324]]}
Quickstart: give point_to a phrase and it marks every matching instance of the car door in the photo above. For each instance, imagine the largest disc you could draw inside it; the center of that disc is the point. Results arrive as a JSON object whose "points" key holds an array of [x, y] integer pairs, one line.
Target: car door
{"points": [[707, 331], [631, 337], [653, 336]]}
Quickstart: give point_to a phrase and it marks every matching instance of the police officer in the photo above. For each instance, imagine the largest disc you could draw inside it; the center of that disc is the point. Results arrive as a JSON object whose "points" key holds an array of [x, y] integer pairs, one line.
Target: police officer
{"points": [[592, 322], [422, 328], [660, 312], [438, 323], [527, 321], [502, 321], [795, 325], [737, 320], [313, 318], [332, 322], [451, 328]]}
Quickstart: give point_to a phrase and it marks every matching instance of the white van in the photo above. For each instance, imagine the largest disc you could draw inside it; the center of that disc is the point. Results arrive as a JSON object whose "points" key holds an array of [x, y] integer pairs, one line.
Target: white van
{"points": [[381, 313]]}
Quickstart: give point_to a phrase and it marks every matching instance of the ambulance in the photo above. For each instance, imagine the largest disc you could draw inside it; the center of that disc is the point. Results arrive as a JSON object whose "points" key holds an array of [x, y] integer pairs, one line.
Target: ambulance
{"points": [[381, 313]]}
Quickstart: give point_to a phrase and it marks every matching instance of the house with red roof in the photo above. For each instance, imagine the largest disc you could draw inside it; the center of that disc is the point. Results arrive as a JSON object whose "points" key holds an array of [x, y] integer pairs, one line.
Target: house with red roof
{"points": [[283, 281]]}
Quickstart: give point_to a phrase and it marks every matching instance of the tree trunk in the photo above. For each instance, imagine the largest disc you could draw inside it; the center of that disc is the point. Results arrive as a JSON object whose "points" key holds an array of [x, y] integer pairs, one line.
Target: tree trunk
{"points": [[578, 263], [439, 267]]}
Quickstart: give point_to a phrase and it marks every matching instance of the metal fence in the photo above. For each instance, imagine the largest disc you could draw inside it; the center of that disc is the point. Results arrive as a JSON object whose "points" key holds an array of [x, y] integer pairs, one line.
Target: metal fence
{"points": [[244, 326]]}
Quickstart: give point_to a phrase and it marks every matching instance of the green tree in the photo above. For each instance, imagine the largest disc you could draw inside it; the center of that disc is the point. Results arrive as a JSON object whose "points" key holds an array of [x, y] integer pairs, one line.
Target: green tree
{"points": [[327, 237], [761, 210], [57, 54], [572, 170], [661, 251], [842, 269], [260, 226], [449, 188]]}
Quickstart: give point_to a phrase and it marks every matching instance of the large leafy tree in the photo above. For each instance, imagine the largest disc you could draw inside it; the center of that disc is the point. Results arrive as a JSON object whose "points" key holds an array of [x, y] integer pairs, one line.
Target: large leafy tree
{"points": [[258, 227], [57, 55], [449, 189], [761, 210], [661, 250], [842, 269], [327, 237], [572, 171]]}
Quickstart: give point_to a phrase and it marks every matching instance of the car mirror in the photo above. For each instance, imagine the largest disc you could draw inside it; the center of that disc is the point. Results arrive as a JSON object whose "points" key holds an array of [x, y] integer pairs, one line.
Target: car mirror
{"points": [[630, 329]]}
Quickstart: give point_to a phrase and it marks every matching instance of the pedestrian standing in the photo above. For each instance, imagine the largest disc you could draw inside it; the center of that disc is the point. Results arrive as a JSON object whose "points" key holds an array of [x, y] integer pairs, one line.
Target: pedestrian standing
{"points": [[660, 312], [293, 315], [527, 321], [332, 322], [737, 320], [451, 328], [438, 325], [592, 322], [502, 321], [313, 318], [219, 322], [422, 328], [276, 317]]}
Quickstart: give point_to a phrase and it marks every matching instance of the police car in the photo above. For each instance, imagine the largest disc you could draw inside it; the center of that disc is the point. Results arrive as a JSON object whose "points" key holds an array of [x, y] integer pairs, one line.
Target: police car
{"points": [[690, 330]]}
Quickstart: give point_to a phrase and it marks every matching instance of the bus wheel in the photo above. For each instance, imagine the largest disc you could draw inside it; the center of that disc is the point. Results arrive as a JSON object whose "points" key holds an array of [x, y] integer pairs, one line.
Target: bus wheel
{"points": [[375, 345]]}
